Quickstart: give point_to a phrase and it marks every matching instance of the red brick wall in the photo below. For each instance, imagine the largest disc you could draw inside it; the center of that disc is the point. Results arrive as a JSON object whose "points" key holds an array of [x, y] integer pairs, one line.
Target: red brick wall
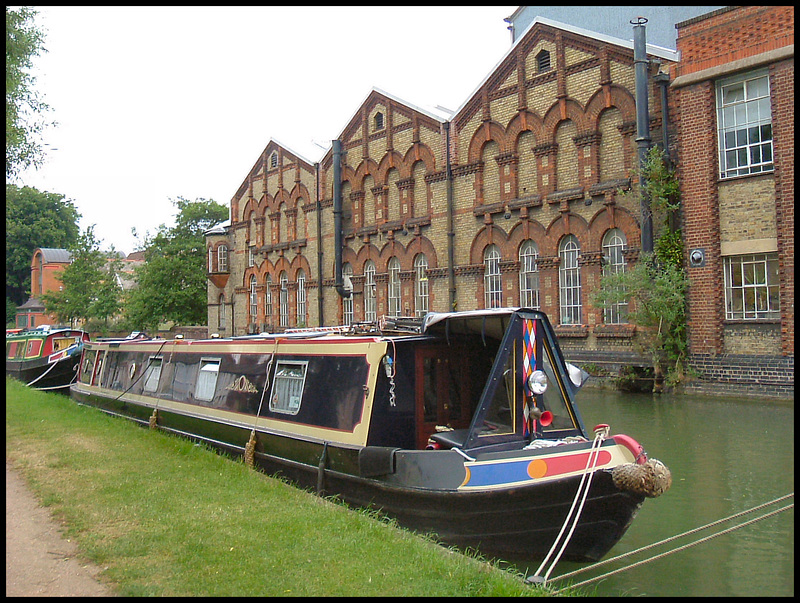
{"points": [[733, 34]]}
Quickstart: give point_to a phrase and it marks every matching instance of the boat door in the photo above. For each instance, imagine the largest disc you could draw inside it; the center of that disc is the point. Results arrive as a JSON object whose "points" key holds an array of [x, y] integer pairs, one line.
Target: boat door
{"points": [[443, 391]]}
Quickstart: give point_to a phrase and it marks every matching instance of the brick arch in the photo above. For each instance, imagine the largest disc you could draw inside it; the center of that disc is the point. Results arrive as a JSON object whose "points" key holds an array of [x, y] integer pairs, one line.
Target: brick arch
{"points": [[423, 245], [622, 219], [368, 167], [558, 228], [392, 159], [617, 97], [280, 265], [266, 268], [392, 248], [572, 111], [420, 152], [488, 235], [299, 191], [368, 252], [299, 262], [264, 204], [280, 197], [525, 121], [523, 231], [490, 130], [251, 207]]}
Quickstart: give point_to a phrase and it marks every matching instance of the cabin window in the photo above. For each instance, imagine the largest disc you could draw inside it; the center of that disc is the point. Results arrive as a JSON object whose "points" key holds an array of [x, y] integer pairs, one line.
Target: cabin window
{"points": [[207, 379], [614, 263], [152, 374], [287, 388], [12, 349], [369, 291], [528, 275], [492, 281], [394, 287]]}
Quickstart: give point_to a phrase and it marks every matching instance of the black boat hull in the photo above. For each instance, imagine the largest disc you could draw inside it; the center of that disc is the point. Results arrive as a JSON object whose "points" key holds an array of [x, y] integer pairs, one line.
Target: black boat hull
{"points": [[38, 373]]}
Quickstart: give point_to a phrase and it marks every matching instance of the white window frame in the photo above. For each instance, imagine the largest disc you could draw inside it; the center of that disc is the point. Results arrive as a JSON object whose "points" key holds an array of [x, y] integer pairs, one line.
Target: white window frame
{"points": [[253, 299], [207, 376], [268, 300], [614, 244], [529, 275], [152, 374], [211, 259], [301, 298], [222, 258], [395, 292], [569, 280], [421, 291], [347, 302], [744, 125], [492, 279], [752, 287], [288, 386], [284, 301], [370, 312]]}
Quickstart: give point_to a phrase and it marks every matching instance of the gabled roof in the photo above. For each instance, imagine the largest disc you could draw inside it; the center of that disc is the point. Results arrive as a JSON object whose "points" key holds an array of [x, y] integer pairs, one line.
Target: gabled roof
{"points": [[52, 255]]}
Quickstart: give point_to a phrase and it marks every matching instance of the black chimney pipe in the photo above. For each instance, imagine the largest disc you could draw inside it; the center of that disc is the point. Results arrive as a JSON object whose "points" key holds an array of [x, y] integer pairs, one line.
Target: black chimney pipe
{"points": [[337, 219], [641, 65]]}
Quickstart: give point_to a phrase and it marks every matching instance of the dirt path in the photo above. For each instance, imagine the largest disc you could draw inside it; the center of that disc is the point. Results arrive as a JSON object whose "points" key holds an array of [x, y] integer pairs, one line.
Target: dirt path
{"points": [[39, 561]]}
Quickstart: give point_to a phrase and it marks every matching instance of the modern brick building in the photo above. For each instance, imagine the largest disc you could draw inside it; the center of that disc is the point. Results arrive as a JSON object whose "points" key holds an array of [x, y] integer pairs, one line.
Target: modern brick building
{"points": [[734, 112], [513, 199]]}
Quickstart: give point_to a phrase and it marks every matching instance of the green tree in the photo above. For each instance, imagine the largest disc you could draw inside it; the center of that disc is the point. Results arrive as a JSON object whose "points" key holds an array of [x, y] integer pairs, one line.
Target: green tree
{"points": [[24, 107], [89, 289], [33, 219], [171, 284]]}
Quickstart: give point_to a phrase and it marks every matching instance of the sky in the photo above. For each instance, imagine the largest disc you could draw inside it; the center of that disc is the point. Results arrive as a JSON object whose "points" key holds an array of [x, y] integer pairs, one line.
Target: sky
{"points": [[156, 103]]}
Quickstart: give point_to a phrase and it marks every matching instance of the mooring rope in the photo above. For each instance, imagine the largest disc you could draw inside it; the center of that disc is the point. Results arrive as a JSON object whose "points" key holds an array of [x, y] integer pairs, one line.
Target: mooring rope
{"points": [[598, 440], [250, 447], [670, 539], [52, 366]]}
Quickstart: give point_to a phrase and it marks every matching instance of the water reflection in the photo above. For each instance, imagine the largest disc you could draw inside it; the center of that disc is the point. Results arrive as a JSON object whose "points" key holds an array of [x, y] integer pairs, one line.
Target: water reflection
{"points": [[726, 455]]}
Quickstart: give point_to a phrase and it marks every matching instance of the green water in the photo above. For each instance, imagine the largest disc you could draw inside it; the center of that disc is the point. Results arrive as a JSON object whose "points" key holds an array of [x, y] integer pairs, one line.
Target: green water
{"points": [[726, 455]]}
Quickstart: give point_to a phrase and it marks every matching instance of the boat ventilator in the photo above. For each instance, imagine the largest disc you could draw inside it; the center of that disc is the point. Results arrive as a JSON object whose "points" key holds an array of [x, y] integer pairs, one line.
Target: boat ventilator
{"points": [[665, 541]]}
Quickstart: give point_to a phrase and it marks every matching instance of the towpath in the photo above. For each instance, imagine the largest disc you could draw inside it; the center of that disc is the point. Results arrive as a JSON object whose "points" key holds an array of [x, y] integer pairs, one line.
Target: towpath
{"points": [[40, 562]]}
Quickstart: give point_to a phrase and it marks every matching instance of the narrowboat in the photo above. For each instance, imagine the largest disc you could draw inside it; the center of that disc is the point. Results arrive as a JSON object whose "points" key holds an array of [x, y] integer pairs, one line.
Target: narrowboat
{"points": [[45, 358], [459, 424]]}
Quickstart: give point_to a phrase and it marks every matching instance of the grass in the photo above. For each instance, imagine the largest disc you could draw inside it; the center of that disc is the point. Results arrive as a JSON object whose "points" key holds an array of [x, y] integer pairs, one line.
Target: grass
{"points": [[163, 516]]}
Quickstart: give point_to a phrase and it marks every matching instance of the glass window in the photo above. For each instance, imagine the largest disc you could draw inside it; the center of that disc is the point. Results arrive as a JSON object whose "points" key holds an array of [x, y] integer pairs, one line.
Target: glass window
{"points": [[420, 285], [744, 122], [152, 374], [614, 263], [347, 302], [210, 259], [253, 299], [301, 298], [369, 291], [207, 379], [222, 258], [752, 287], [528, 275], [287, 388], [492, 281], [284, 301], [268, 300], [221, 321], [569, 278], [394, 287]]}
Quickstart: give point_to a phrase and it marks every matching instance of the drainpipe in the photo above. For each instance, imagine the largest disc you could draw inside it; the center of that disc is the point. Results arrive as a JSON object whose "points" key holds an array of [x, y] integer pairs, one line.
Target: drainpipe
{"points": [[451, 232], [320, 288], [642, 125], [337, 219], [662, 79]]}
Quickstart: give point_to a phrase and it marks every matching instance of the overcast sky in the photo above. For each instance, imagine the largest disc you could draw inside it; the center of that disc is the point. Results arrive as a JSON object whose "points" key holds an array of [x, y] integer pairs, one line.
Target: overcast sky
{"points": [[156, 103]]}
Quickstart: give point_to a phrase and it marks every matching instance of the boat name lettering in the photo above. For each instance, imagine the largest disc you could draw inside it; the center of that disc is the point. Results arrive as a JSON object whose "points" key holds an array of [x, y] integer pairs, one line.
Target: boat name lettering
{"points": [[242, 384]]}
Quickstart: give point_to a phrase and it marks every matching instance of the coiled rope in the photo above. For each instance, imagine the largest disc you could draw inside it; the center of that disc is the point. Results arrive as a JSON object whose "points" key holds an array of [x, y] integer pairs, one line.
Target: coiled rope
{"points": [[670, 539], [582, 493]]}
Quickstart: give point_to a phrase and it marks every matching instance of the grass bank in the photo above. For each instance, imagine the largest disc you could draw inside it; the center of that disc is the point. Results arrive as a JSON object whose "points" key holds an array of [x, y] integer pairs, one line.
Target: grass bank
{"points": [[163, 516]]}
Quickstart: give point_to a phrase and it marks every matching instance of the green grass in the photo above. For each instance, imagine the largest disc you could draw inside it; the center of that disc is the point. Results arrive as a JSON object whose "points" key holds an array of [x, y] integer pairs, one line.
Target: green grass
{"points": [[163, 516]]}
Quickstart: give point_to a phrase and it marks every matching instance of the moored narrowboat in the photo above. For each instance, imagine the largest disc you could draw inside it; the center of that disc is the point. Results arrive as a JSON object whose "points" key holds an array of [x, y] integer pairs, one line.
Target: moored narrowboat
{"points": [[45, 358], [462, 424]]}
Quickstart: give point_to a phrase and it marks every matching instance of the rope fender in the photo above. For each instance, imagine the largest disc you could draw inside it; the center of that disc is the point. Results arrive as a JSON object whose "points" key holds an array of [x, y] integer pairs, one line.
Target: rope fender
{"points": [[650, 479]]}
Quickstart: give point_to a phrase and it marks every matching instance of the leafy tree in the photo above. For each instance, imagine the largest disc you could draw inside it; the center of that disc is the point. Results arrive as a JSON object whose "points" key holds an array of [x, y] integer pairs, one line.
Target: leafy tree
{"points": [[89, 289], [24, 107], [33, 219], [171, 284]]}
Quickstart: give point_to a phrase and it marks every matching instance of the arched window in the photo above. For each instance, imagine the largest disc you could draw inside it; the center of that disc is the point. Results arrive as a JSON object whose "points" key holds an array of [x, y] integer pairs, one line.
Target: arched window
{"points": [[253, 300], [301, 298], [369, 291], [283, 308], [614, 263], [420, 285], [347, 302], [543, 61], [222, 258], [492, 281], [528, 275], [569, 278], [394, 287], [268, 300], [210, 259], [221, 313], [378, 121]]}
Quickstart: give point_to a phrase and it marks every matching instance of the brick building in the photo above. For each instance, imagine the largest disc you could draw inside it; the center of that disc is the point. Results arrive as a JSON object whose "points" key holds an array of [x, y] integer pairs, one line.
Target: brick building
{"points": [[734, 112], [46, 264], [512, 199]]}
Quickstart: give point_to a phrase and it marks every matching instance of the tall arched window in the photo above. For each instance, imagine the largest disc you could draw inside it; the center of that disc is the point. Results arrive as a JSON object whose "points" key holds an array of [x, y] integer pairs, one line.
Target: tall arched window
{"points": [[222, 258], [253, 300], [347, 302], [614, 263], [369, 291], [492, 281], [569, 278], [528, 275], [420, 285], [394, 287], [210, 259], [268, 300], [283, 308], [301, 298], [221, 313]]}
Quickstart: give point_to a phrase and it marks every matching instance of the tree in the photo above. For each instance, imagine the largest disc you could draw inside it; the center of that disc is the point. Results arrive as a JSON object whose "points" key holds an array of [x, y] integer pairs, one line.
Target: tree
{"points": [[33, 219], [171, 284], [89, 290], [24, 108]]}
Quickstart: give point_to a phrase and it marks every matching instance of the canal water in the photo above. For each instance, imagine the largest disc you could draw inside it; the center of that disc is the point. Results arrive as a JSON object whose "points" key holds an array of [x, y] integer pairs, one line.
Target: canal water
{"points": [[726, 455]]}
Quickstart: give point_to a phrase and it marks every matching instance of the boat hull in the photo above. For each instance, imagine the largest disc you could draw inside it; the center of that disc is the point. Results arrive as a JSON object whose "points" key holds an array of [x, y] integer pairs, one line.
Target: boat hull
{"points": [[40, 374]]}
